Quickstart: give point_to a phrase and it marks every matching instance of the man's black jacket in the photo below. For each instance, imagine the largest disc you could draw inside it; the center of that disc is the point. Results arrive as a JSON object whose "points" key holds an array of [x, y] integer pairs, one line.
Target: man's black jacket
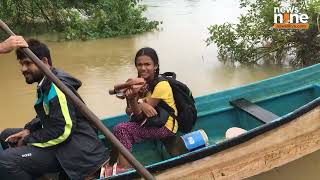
{"points": [[61, 126]]}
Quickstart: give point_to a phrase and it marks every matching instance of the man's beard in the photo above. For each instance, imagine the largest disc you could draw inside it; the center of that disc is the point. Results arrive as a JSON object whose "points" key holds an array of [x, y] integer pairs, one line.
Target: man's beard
{"points": [[33, 77]]}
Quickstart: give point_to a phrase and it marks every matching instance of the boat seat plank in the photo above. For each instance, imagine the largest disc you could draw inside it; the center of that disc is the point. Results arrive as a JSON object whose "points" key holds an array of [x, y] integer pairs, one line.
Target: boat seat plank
{"points": [[254, 110]]}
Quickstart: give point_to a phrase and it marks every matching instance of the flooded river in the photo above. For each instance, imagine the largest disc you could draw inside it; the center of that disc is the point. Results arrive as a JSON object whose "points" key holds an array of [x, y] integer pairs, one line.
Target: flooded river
{"points": [[100, 64]]}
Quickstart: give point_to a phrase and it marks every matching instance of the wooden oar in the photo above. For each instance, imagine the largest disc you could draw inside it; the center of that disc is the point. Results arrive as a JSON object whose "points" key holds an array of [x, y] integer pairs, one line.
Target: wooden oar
{"points": [[83, 108], [129, 83], [318, 22]]}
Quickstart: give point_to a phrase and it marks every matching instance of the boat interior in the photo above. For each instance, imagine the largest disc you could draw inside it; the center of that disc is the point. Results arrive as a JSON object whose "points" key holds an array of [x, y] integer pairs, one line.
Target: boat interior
{"points": [[241, 112]]}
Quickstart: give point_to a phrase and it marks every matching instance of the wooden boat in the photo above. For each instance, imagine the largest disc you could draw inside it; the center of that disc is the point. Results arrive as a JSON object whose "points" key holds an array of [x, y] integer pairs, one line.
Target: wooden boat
{"points": [[281, 116]]}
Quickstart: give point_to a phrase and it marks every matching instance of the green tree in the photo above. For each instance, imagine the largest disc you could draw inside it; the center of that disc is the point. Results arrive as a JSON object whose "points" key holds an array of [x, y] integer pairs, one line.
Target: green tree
{"points": [[76, 19], [254, 40]]}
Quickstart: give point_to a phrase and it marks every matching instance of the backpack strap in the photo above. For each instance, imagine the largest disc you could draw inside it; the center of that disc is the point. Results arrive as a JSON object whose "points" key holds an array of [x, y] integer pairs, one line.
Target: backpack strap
{"points": [[170, 110], [162, 104], [162, 77]]}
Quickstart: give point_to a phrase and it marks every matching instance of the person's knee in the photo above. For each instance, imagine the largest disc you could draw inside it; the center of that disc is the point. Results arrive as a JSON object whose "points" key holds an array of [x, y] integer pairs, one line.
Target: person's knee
{"points": [[8, 132], [6, 162], [4, 134], [10, 169], [119, 128]]}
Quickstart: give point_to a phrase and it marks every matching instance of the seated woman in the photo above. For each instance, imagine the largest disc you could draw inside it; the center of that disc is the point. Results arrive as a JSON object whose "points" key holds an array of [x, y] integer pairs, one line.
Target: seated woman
{"points": [[131, 132]]}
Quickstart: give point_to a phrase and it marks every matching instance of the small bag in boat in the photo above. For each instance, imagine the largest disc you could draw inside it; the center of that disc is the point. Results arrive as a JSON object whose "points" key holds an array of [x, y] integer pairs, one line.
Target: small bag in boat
{"points": [[158, 120], [187, 112]]}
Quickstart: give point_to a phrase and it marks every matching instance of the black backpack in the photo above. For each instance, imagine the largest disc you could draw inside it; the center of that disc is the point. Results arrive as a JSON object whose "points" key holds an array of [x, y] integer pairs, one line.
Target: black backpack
{"points": [[187, 112]]}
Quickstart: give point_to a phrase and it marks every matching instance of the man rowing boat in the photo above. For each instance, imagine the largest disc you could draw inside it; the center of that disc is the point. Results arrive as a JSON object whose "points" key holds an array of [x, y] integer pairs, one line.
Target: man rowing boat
{"points": [[59, 138]]}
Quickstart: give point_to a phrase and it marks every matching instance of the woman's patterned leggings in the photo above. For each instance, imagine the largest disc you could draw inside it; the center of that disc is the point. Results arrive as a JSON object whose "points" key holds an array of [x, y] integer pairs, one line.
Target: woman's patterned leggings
{"points": [[130, 133]]}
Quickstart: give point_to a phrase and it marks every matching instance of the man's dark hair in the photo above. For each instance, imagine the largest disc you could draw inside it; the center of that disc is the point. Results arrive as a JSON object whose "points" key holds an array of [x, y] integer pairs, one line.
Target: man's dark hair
{"points": [[38, 48]]}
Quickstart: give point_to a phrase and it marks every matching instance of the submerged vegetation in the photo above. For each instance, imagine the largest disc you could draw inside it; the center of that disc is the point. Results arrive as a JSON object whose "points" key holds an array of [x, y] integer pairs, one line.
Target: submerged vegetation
{"points": [[254, 40], [76, 19]]}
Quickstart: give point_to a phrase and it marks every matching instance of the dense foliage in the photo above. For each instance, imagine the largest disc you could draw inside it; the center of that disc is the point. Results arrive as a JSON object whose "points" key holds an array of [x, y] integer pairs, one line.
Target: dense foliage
{"points": [[76, 19], [254, 40]]}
